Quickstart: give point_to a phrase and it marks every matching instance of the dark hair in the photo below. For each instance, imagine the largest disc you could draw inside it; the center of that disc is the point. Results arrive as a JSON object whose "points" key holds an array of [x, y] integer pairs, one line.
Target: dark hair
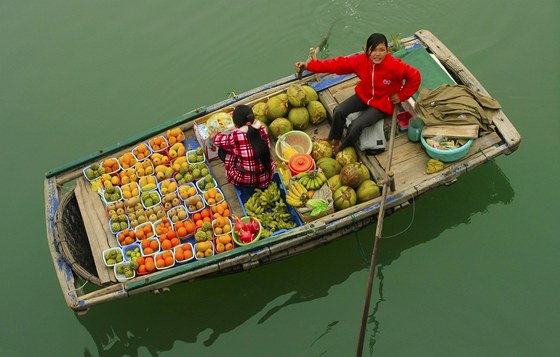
{"points": [[374, 40], [243, 115]]}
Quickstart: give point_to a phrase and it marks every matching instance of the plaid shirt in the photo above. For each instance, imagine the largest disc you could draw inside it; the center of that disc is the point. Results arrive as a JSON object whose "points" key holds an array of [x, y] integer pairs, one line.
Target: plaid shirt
{"points": [[242, 168]]}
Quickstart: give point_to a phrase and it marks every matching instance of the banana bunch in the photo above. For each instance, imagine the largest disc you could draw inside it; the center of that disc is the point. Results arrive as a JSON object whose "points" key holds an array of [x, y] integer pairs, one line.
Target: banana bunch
{"points": [[262, 200], [311, 180], [297, 194], [434, 166]]}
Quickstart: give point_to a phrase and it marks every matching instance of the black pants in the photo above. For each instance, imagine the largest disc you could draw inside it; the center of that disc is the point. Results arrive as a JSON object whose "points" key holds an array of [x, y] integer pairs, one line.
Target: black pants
{"points": [[369, 116]]}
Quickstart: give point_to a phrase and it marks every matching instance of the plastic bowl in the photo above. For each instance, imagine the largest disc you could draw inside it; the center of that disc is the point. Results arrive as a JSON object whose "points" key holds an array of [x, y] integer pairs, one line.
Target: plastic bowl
{"points": [[298, 140], [121, 277], [118, 250], [236, 238], [447, 155]]}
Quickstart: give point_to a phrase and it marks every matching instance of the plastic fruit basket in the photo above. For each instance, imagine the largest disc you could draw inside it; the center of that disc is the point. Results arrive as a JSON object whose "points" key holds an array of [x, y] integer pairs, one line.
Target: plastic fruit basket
{"points": [[447, 155], [296, 139]]}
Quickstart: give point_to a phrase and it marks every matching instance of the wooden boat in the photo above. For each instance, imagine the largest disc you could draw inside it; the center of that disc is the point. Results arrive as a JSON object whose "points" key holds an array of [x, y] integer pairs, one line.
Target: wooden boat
{"points": [[77, 224]]}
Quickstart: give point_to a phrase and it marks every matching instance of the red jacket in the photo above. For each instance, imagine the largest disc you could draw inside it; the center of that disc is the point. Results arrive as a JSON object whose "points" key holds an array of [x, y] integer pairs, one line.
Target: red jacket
{"points": [[387, 77]]}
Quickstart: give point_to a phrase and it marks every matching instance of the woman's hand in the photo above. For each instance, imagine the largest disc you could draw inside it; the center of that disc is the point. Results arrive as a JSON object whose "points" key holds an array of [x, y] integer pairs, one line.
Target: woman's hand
{"points": [[301, 66], [395, 99]]}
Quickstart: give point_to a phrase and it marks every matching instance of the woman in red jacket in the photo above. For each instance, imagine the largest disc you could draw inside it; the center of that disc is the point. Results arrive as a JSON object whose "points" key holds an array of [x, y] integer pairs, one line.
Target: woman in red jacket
{"points": [[380, 88]]}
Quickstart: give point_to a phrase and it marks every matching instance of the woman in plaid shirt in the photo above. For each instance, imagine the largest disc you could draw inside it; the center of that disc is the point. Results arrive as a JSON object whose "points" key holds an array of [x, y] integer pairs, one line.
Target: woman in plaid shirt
{"points": [[246, 151]]}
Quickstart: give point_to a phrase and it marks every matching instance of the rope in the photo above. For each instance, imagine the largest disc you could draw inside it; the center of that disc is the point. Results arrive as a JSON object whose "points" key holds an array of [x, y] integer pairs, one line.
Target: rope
{"points": [[79, 288], [411, 221]]}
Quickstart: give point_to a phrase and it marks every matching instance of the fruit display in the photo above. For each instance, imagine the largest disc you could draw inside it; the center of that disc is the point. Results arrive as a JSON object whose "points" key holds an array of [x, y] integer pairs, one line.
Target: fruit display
{"points": [[204, 249], [194, 203], [204, 232], [183, 253], [155, 213], [221, 209], [174, 135], [246, 230], [157, 143], [187, 190], [221, 225], [112, 193], [184, 228], [146, 264], [150, 199], [166, 186], [223, 243], [126, 237], [270, 209], [212, 196], [112, 256], [178, 163], [176, 150], [311, 180], [132, 252], [163, 172], [135, 211], [178, 213], [144, 168], [147, 183], [293, 109], [198, 171], [127, 176], [93, 171], [144, 231], [171, 200], [141, 152], [127, 160], [110, 165], [164, 259], [125, 270], [297, 194], [202, 216], [149, 246], [195, 156], [206, 183], [159, 158], [130, 190]]}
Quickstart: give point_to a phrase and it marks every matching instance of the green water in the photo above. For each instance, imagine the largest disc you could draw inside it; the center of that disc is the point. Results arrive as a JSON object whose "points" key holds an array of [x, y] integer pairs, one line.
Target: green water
{"points": [[476, 274]]}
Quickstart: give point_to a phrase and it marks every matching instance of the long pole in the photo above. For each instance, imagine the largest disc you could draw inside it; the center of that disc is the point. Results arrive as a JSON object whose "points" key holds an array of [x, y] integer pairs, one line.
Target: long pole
{"points": [[387, 181]]}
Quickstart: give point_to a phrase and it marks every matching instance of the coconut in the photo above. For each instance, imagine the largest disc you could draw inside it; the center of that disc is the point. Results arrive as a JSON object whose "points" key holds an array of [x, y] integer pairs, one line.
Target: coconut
{"points": [[310, 93], [329, 166], [317, 112], [299, 117], [367, 190], [347, 155], [321, 148], [334, 182], [344, 197], [363, 170], [296, 95], [280, 126], [350, 175], [276, 107], [259, 111]]}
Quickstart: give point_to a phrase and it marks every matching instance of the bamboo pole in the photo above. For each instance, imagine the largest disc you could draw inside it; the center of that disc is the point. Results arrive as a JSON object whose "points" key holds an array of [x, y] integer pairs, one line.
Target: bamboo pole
{"points": [[387, 182]]}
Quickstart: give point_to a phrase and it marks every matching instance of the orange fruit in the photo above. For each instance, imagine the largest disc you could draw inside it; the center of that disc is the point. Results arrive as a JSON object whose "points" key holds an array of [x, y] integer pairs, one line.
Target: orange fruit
{"points": [[175, 242], [186, 246], [171, 234], [160, 263], [140, 260], [205, 213], [182, 231], [148, 251], [169, 261], [140, 234], [197, 216], [166, 244], [188, 254], [154, 245], [190, 226], [142, 269], [150, 267], [145, 243]]}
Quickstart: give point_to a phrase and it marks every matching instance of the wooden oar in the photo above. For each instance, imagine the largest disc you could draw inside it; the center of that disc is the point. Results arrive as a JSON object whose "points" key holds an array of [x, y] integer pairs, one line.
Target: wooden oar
{"points": [[388, 181], [313, 51]]}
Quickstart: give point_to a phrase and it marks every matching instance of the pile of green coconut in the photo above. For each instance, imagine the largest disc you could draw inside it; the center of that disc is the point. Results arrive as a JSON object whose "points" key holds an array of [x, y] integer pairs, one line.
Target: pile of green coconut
{"points": [[293, 109]]}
